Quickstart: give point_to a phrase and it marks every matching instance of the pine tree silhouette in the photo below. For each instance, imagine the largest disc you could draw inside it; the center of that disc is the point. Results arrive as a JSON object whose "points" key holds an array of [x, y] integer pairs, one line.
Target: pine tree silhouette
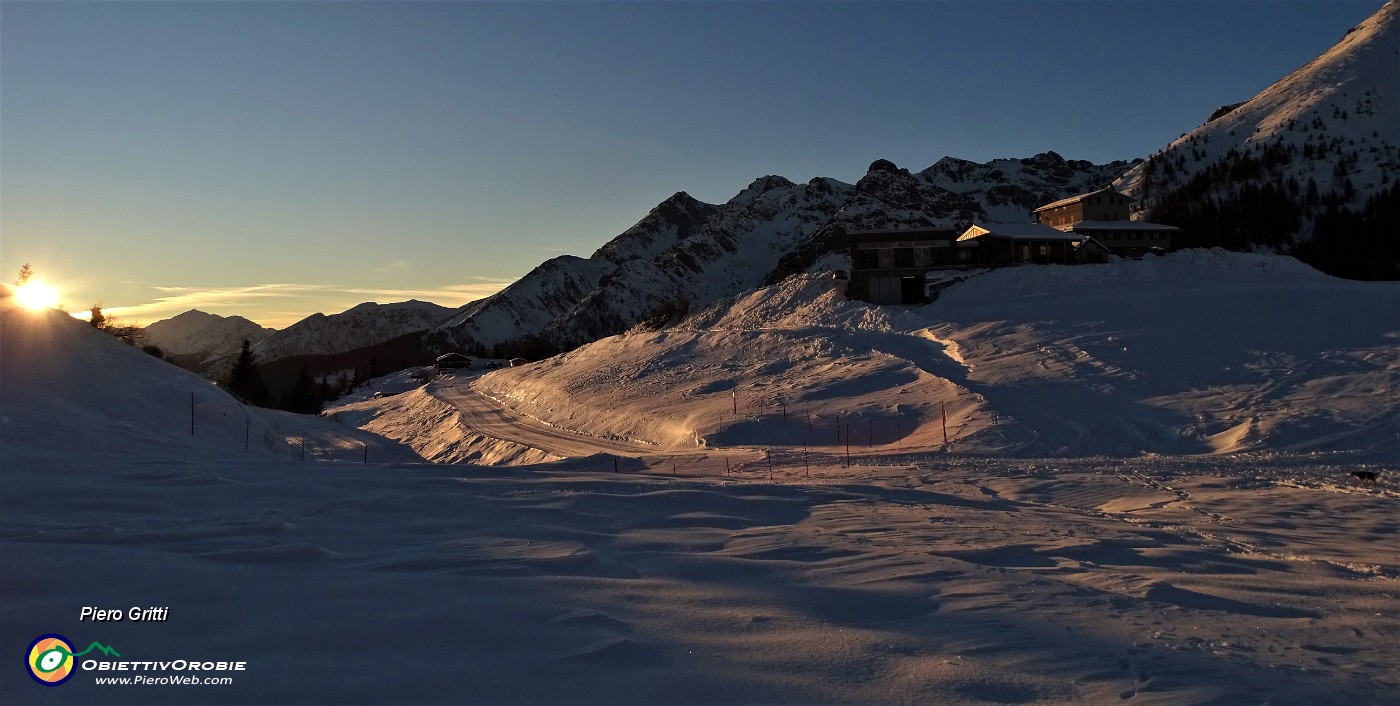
{"points": [[245, 380]]}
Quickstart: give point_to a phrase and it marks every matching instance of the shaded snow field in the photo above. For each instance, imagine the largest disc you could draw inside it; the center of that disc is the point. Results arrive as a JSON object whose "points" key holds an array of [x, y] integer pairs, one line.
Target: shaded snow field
{"points": [[962, 581], [1144, 564]]}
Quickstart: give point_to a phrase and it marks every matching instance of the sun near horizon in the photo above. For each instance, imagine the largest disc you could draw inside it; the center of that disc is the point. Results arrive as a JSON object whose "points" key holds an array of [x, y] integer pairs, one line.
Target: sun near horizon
{"points": [[37, 295]]}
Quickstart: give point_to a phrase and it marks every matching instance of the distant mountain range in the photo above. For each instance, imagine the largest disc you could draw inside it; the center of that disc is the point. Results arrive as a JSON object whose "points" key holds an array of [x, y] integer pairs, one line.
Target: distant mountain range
{"points": [[208, 343], [362, 325]]}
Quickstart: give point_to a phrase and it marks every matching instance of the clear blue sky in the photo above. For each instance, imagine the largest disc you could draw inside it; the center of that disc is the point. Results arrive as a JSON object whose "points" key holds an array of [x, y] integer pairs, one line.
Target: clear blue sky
{"points": [[159, 156]]}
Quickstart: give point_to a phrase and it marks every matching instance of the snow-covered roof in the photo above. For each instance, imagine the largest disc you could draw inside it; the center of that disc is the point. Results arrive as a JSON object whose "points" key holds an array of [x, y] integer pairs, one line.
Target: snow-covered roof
{"points": [[1076, 199], [1085, 226], [1017, 231]]}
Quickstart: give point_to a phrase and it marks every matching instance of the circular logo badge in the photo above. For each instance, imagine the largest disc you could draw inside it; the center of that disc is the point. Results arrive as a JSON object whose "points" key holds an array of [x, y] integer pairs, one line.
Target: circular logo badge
{"points": [[50, 659]]}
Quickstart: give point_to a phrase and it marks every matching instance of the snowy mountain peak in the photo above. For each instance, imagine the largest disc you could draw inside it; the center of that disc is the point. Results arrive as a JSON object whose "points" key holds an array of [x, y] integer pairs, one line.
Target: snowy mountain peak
{"points": [[759, 187], [204, 335]]}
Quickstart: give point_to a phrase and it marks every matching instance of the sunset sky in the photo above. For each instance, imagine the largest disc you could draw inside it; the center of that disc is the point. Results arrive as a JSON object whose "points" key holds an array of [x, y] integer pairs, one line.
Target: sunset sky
{"points": [[278, 159]]}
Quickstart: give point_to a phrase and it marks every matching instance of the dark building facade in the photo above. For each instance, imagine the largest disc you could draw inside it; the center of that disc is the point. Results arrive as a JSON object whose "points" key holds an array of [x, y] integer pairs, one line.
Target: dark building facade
{"points": [[889, 266]]}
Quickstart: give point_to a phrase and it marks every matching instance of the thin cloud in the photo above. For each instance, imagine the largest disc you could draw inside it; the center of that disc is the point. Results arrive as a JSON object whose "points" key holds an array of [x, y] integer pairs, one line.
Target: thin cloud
{"points": [[462, 293], [395, 266], [180, 299], [282, 304]]}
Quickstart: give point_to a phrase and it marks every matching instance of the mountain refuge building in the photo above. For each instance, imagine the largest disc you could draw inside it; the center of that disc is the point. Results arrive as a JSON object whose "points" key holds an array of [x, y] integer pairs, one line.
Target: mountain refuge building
{"points": [[1103, 215], [1102, 205], [906, 265]]}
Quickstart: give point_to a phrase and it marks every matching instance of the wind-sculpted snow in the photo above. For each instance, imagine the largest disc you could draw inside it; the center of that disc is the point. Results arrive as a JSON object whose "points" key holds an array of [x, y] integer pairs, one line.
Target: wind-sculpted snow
{"points": [[938, 580]]}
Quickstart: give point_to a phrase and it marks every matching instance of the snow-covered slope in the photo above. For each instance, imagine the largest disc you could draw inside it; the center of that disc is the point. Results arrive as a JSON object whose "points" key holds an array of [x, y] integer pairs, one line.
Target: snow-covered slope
{"points": [[1196, 352], [59, 373], [357, 327], [69, 391], [208, 336], [692, 253], [1325, 136]]}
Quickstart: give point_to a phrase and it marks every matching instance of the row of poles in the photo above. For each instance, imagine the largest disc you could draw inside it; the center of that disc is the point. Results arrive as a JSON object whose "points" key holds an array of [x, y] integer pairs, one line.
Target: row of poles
{"points": [[807, 415], [248, 435]]}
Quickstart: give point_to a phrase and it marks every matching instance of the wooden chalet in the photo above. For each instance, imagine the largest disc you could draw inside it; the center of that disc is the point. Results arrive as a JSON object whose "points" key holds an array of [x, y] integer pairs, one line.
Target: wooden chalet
{"points": [[452, 361]]}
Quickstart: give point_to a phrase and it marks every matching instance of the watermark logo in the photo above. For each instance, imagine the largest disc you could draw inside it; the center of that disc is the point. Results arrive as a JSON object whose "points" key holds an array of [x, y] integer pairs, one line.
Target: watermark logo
{"points": [[51, 658]]}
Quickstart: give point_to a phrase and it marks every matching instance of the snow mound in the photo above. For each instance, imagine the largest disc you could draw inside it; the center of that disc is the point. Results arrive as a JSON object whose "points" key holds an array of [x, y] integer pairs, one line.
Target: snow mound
{"points": [[801, 301], [434, 429]]}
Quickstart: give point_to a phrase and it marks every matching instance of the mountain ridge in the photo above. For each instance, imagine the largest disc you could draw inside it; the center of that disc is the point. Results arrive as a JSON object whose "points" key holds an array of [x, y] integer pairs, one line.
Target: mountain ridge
{"points": [[1306, 166], [203, 337], [688, 252]]}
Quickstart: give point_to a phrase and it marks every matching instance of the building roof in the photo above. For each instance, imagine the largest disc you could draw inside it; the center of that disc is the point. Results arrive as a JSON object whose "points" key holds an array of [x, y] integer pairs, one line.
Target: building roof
{"points": [[452, 357], [1077, 199], [1017, 231], [1094, 226]]}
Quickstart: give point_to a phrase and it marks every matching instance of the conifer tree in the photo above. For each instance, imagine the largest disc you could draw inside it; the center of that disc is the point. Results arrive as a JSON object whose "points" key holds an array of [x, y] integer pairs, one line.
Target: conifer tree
{"points": [[245, 380], [302, 397]]}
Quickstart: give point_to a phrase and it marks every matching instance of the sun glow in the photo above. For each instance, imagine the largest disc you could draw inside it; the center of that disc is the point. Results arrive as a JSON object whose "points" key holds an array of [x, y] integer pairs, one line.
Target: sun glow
{"points": [[36, 296]]}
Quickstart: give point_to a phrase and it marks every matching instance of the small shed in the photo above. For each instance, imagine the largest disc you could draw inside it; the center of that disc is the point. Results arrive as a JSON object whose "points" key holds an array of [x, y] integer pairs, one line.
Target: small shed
{"points": [[453, 361], [517, 362]]}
